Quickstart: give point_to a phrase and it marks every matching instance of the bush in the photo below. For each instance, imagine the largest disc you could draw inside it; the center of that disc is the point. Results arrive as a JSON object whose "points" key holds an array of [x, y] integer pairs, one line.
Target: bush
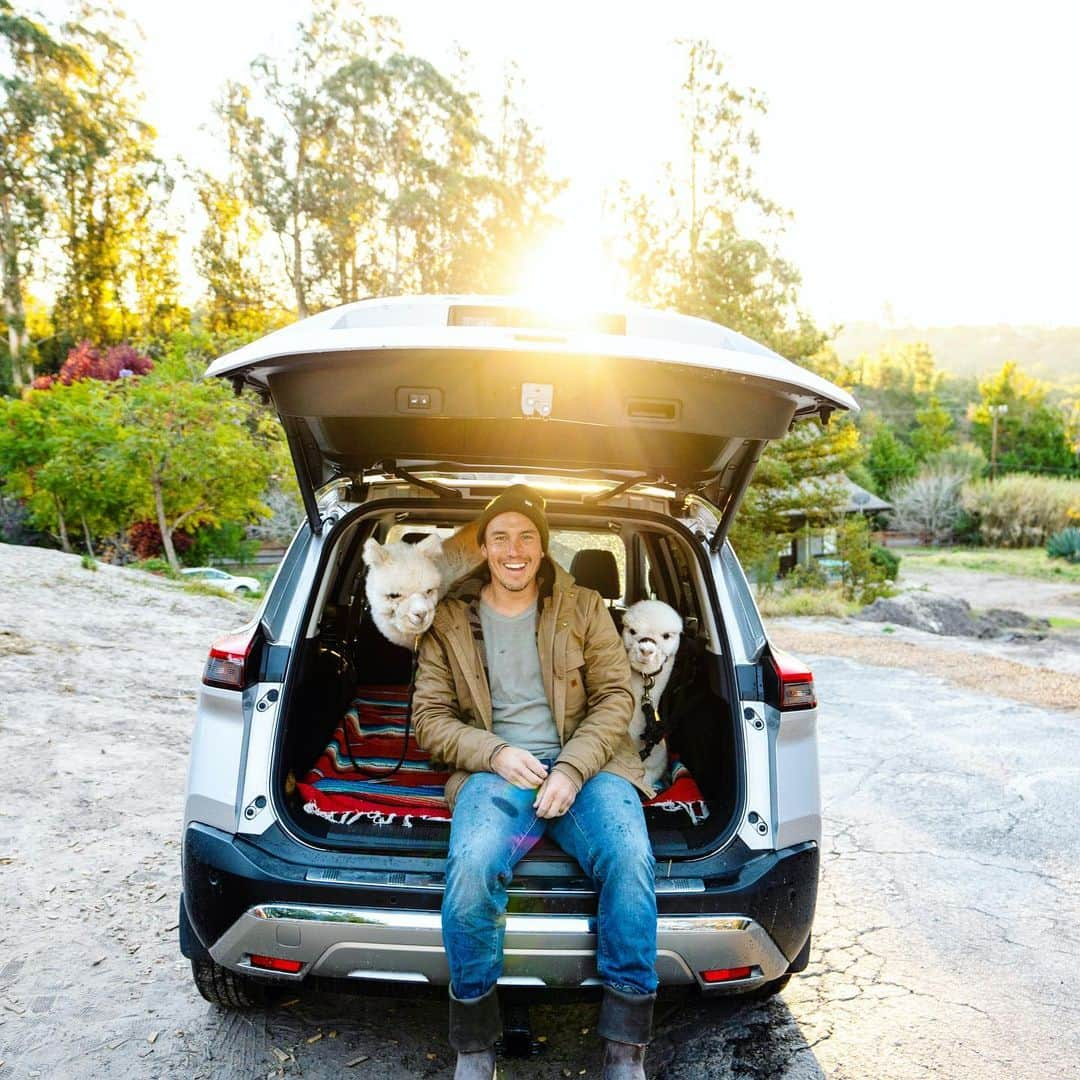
{"points": [[226, 541], [862, 578], [806, 576], [929, 504], [145, 540], [887, 560], [1065, 545], [155, 566], [1021, 510]]}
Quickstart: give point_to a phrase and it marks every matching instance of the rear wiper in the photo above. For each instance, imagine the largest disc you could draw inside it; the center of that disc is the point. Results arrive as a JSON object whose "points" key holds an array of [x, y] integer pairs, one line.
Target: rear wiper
{"points": [[618, 489], [392, 468]]}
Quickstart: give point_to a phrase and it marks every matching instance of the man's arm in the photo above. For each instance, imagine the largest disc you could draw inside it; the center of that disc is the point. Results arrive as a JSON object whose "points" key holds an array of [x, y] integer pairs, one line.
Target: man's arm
{"points": [[610, 702], [436, 714]]}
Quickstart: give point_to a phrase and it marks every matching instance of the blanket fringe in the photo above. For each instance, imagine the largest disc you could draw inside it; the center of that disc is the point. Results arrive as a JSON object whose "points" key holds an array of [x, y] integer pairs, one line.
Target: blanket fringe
{"points": [[377, 817], [697, 810]]}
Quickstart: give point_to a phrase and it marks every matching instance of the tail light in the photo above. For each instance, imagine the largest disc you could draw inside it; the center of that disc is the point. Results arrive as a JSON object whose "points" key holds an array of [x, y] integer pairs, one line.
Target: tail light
{"points": [[276, 963], [796, 682], [228, 664], [719, 975]]}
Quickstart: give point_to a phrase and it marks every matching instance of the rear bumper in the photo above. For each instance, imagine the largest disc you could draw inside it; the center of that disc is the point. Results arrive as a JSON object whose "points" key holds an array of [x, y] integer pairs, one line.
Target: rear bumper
{"points": [[340, 925]]}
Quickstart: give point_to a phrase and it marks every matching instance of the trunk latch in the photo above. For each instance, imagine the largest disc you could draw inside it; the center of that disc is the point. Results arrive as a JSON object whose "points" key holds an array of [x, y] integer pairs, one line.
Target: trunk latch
{"points": [[536, 399]]}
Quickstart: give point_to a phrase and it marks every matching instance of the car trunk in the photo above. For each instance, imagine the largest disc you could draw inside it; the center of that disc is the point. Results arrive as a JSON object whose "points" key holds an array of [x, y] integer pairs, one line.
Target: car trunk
{"points": [[345, 660]]}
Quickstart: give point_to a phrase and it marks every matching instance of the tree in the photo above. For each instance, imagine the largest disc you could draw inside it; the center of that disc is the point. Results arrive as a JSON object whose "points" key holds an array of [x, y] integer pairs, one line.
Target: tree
{"points": [[34, 98], [194, 452], [933, 430], [889, 460], [119, 279], [1032, 435]]}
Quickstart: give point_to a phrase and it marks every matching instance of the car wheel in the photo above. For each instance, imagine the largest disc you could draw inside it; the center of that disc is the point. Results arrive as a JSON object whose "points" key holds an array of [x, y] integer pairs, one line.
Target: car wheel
{"points": [[767, 990], [220, 986], [241, 590]]}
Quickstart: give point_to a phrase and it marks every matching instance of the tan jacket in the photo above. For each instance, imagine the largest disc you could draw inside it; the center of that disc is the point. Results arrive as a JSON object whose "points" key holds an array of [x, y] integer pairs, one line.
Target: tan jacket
{"points": [[586, 677]]}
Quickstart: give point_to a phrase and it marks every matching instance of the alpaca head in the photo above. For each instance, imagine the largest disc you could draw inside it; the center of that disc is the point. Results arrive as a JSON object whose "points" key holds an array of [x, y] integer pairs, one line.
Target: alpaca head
{"points": [[651, 631], [402, 587]]}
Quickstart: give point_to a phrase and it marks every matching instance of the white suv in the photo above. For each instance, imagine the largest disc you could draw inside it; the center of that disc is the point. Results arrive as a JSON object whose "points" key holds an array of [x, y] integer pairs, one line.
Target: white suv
{"points": [[406, 415]]}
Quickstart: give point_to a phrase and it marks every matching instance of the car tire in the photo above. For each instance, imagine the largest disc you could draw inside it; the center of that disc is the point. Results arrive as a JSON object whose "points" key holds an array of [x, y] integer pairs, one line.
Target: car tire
{"points": [[241, 590], [767, 990], [220, 986]]}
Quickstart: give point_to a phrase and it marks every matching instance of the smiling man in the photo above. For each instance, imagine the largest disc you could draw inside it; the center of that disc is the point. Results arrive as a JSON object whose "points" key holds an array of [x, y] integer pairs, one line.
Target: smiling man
{"points": [[523, 687]]}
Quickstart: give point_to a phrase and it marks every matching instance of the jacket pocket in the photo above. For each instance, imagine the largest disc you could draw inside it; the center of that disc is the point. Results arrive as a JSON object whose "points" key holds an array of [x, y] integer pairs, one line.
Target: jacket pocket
{"points": [[570, 668]]}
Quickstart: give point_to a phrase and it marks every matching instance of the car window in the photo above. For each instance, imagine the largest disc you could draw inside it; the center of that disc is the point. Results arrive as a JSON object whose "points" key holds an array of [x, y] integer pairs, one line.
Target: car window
{"points": [[746, 613], [564, 544]]}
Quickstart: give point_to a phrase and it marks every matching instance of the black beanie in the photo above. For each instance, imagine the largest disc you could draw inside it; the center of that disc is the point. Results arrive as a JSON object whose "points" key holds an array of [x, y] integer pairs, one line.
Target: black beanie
{"points": [[521, 499]]}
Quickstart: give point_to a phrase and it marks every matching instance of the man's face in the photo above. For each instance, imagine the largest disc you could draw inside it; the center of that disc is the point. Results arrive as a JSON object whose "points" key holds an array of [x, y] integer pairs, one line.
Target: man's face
{"points": [[513, 550]]}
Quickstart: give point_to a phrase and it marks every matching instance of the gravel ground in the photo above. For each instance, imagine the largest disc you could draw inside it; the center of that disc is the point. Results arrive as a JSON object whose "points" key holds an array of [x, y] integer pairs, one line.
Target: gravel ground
{"points": [[946, 941]]}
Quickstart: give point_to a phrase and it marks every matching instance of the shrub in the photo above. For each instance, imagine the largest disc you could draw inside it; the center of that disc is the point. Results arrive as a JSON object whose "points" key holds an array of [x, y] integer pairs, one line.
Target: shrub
{"points": [[1021, 510], [862, 578], [929, 504], [888, 560], [1065, 545], [225, 541], [806, 576], [145, 540]]}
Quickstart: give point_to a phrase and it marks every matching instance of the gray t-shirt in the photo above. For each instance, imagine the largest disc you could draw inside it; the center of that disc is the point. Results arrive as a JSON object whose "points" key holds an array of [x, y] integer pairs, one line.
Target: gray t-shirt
{"points": [[520, 709]]}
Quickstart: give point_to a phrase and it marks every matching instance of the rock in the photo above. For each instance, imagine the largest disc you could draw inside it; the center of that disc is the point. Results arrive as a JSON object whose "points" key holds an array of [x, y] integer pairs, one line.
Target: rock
{"points": [[953, 617]]}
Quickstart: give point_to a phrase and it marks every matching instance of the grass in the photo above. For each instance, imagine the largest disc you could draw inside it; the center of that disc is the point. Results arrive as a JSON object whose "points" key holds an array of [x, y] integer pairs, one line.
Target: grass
{"points": [[828, 601], [1064, 622], [1020, 562]]}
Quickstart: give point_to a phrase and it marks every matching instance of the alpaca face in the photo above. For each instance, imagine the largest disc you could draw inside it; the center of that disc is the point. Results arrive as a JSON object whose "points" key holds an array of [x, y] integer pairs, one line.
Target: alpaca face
{"points": [[402, 587], [651, 631]]}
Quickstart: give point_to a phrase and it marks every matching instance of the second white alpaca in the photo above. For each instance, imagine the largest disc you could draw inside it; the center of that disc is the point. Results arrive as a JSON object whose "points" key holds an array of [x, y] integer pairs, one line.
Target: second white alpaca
{"points": [[651, 634]]}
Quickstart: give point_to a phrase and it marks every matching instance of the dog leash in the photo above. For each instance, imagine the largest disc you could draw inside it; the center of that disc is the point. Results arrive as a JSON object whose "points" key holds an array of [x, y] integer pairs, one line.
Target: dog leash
{"points": [[386, 774], [655, 729]]}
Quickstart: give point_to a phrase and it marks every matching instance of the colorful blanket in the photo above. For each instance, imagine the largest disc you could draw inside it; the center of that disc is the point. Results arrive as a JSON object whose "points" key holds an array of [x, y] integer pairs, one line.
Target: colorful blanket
{"points": [[343, 786]]}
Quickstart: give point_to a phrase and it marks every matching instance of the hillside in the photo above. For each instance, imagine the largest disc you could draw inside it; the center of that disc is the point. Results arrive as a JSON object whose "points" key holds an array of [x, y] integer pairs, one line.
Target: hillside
{"points": [[1049, 353]]}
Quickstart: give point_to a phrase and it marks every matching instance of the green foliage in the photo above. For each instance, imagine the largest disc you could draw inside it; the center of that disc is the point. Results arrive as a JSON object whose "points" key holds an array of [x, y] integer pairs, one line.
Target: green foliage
{"points": [[862, 578], [1065, 545], [1033, 435], [225, 541], [887, 560], [1020, 510], [806, 576], [933, 430], [830, 600], [888, 460]]}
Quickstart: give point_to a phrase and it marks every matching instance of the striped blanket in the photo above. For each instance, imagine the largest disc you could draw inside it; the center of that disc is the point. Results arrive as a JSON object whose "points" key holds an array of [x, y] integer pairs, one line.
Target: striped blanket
{"points": [[342, 785]]}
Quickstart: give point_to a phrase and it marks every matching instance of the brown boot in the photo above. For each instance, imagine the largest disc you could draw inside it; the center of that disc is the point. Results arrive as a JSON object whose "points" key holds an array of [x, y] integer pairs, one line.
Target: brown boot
{"points": [[475, 1025], [625, 1025]]}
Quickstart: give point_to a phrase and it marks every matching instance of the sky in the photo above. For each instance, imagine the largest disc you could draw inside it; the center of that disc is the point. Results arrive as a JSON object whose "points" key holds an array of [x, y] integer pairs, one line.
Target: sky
{"points": [[927, 151]]}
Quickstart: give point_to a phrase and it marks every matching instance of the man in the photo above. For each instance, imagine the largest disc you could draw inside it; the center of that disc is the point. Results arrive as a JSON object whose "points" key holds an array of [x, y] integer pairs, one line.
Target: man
{"points": [[525, 691]]}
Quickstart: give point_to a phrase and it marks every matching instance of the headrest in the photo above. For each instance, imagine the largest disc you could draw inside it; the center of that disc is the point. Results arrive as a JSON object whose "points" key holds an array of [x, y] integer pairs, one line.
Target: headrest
{"points": [[597, 569]]}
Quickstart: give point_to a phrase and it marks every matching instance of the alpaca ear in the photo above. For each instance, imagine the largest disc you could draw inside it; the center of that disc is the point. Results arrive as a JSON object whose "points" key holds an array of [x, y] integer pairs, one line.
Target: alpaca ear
{"points": [[431, 546], [374, 553]]}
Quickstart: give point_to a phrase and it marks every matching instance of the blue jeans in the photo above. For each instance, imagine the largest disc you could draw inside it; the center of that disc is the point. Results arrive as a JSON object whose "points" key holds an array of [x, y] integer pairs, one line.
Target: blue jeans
{"points": [[494, 826]]}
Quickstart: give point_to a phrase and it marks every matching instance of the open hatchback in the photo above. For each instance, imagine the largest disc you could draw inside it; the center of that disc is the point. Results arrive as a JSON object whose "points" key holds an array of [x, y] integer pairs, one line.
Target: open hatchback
{"points": [[302, 859]]}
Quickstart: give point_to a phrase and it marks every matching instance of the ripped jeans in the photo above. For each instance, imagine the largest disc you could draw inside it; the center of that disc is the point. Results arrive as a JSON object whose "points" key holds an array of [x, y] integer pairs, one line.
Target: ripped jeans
{"points": [[494, 826]]}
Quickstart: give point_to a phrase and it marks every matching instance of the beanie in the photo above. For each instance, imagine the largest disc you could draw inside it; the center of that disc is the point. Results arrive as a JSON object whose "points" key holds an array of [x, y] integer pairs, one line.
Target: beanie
{"points": [[521, 499]]}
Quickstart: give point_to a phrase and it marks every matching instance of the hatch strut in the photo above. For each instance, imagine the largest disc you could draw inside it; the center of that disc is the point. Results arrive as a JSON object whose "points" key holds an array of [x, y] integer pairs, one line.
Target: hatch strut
{"points": [[295, 429], [738, 490], [603, 496], [392, 468]]}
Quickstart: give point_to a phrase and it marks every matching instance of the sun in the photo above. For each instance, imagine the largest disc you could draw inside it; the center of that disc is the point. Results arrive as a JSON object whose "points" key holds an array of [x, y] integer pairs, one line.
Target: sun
{"points": [[573, 266]]}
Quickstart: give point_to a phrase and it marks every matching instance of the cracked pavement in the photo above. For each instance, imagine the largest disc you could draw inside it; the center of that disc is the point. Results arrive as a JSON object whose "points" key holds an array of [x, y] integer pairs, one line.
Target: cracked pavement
{"points": [[946, 941]]}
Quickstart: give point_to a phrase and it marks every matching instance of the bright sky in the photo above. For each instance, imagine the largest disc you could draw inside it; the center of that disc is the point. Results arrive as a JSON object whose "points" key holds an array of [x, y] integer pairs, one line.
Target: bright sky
{"points": [[928, 150]]}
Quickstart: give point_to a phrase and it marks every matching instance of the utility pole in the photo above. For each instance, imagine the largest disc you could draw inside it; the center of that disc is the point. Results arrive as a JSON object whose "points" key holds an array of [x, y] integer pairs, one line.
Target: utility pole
{"points": [[995, 412]]}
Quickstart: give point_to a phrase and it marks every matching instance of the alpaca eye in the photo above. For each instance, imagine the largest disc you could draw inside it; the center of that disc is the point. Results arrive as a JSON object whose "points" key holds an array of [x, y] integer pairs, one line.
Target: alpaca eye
{"points": [[431, 592], [393, 596], [633, 632], [666, 636]]}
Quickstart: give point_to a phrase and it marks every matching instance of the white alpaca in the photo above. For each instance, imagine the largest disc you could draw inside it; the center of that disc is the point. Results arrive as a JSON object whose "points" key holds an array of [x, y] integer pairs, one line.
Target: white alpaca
{"points": [[651, 632], [404, 581]]}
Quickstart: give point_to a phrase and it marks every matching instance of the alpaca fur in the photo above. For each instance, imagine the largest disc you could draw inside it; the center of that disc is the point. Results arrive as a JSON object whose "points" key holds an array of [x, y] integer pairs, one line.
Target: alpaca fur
{"points": [[651, 633], [404, 582]]}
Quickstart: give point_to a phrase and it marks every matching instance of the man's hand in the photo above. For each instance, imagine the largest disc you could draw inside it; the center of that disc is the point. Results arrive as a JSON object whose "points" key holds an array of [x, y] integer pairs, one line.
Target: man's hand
{"points": [[519, 767], [556, 796]]}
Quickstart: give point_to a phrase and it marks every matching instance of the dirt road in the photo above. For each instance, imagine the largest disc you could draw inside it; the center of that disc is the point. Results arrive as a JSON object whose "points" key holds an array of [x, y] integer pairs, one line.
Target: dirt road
{"points": [[946, 941]]}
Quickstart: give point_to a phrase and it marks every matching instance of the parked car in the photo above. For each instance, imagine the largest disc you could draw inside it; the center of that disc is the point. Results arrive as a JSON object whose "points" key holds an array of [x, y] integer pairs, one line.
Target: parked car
{"points": [[406, 415], [219, 579]]}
